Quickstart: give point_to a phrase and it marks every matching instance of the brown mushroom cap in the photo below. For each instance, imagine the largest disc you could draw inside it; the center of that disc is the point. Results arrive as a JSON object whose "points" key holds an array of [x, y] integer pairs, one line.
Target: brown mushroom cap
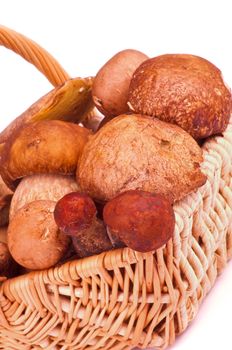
{"points": [[111, 84], [142, 220], [182, 89], [46, 147], [137, 152], [34, 239], [75, 212]]}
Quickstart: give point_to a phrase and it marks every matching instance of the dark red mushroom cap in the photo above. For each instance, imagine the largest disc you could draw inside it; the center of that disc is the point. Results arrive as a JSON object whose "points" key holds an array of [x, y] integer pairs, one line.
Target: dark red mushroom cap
{"points": [[142, 220], [74, 212]]}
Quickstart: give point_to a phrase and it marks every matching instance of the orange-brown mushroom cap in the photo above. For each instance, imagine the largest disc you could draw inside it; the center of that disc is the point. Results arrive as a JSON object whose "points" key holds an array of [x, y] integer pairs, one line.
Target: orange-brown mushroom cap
{"points": [[34, 239], [75, 212], [142, 220], [186, 90], [46, 147]]}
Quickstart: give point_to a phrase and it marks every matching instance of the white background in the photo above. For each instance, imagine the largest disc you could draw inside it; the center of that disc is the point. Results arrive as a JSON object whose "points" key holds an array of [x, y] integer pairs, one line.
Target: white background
{"points": [[82, 35]]}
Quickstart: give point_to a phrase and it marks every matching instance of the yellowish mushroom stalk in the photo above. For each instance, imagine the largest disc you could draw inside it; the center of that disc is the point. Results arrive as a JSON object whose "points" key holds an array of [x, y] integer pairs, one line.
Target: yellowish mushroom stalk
{"points": [[70, 101]]}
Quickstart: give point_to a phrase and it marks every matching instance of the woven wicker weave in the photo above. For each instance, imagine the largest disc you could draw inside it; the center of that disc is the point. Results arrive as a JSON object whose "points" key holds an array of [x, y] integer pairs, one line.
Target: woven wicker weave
{"points": [[122, 299]]}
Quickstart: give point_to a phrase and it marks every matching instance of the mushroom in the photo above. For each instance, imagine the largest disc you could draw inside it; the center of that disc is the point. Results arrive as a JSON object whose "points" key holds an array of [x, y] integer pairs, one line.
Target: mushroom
{"points": [[111, 84], [137, 152], [46, 147], [75, 215], [34, 239], [141, 220], [181, 89]]}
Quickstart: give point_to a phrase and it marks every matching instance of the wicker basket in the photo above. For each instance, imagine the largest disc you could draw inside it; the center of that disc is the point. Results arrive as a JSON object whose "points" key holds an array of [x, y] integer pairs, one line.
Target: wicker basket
{"points": [[122, 299]]}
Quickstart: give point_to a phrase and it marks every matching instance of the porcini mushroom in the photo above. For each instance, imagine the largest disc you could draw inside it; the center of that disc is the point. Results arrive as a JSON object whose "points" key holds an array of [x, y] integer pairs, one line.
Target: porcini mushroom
{"points": [[34, 239], [140, 220], [75, 215], [111, 84], [46, 147], [137, 152], [181, 89]]}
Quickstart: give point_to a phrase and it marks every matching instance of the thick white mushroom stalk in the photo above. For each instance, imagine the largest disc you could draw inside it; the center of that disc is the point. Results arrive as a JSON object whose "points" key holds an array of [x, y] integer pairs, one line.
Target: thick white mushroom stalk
{"points": [[42, 187]]}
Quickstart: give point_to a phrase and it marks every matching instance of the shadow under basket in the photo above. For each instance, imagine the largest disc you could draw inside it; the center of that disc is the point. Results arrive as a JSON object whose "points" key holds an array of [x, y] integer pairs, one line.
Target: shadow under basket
{"points": [[123, 299]]}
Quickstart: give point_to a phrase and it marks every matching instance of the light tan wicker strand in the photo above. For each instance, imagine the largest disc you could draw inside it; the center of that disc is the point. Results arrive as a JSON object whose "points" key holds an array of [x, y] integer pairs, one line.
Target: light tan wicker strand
{"points": [[122, 299], [34, 54]]}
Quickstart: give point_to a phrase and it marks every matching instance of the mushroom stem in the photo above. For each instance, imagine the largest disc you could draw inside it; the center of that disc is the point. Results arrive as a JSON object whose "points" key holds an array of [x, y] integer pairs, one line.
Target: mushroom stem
{"points": [[41, 187]]}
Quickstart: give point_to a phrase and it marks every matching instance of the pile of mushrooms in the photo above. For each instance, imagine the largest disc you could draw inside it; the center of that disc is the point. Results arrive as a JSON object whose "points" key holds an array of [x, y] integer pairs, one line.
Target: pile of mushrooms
{"points": [[107, 177]]}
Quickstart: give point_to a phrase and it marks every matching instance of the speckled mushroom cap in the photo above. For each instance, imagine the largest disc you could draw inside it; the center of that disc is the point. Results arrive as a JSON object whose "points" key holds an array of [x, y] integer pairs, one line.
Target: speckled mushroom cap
{"points": [[182, 89], [138, 152], [34, 239], [46, 147]]}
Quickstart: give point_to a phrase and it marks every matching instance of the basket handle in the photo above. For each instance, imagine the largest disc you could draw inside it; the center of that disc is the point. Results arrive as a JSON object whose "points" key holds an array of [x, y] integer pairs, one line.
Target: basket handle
{"points": [[34, 54]]}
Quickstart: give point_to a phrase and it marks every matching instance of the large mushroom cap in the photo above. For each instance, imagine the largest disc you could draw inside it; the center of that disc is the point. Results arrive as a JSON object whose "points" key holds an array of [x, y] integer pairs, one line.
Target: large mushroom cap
{"points": [[46, 147], [137, 152], [182, 89]]}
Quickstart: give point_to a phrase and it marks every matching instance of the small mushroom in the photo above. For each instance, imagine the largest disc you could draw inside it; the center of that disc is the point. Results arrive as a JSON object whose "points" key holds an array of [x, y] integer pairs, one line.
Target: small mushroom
{"points": [[141, 220], [111, 84], [34, 239], [46, 147], [186, 90], [75, 215]]}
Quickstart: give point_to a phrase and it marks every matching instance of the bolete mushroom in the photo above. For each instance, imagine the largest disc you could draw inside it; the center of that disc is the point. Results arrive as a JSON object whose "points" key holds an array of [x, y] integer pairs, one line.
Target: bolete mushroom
{"points": [[138, 152], [46, 147], [181, 89], [111, 84], [34, 239], [141, 220], [75, 215]]}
